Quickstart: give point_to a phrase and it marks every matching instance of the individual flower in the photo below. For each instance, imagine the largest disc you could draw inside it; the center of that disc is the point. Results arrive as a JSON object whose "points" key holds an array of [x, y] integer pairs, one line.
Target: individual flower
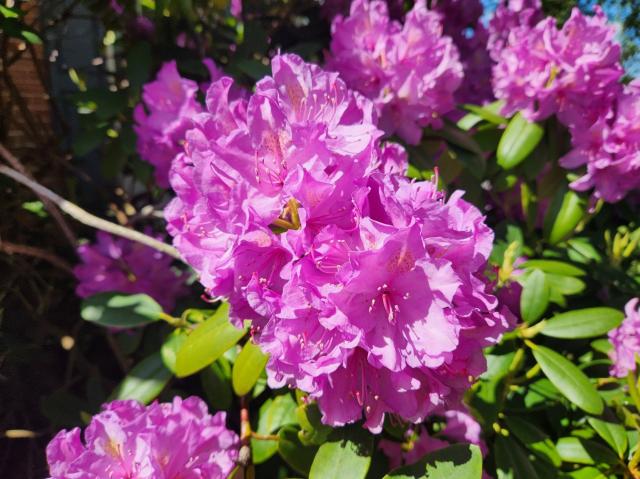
{"points": [[114, 264], [626, 341], [236, 8], [573, 72], [163, 440], [367, 290], [609, 150], [508, 17], [409, 70]]}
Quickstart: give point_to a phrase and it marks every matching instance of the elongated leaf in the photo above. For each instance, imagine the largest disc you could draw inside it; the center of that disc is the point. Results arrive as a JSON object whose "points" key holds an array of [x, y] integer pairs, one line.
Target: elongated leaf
{"points": [[489, 113], [247, 368], [534, 299], [583, 323], [145, 381], [273, 414], [118, 310], [518, 141], [460, 461], [554, 267], [565, 285], [569, 380], [207, 343], [297, 455], [511, 461], [346, 454], [584, 451], [534, 439], [564, 214], [170, 348], [216, 383], [614, 434], [587, 473]]}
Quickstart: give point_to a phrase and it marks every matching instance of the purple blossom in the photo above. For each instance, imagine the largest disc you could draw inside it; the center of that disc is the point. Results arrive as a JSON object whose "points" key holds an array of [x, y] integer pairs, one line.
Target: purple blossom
{"points": [[129, 440], [409, 70], [508, 17], [119, 265], [366, 289], [573, 72], [610, 150], [626, 341]]}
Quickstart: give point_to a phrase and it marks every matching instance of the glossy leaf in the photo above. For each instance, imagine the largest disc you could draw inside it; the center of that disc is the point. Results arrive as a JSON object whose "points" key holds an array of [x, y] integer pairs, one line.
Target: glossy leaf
{"points": [[489, 112], [118, 310], [566, 211], [347, 453], [511, 461], [518, 141], [273, 414], [554, 267], [584, 451], [207, 343], [534, 299], [569, 380], [460, 461], [297, 455], [216, 383], [145, 381], [583, 323], [248, 367], [534, 439], [613, 433], [170, 348]]}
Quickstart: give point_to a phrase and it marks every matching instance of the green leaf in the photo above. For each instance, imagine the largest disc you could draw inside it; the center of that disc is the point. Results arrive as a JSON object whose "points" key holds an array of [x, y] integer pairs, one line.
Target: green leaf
{"points": [[273, 414], [534, 439], [511, 461], [346, 454], [170, 348], [583, 323], [310, 420], [534, 299], [569, 380], [554, 267], [586, 473], [519, 139], [248, 368], [565, 285], [460, 461], [10, 12], [31, 37], [207, 342], [145, 381], [489, 112], [120, 310], [566, 211], [614, 434], [584, 451], [298, 456], [35, 207], [216, 383]]}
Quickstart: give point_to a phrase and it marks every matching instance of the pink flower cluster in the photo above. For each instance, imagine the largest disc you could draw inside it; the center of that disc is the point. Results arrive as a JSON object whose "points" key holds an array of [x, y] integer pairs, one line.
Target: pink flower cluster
{"points": [[366, 289], [119, 265], [128, 440], [626, 341], [510, 17], [460, 427], [409, 70], [161, 120], [575, 73]]}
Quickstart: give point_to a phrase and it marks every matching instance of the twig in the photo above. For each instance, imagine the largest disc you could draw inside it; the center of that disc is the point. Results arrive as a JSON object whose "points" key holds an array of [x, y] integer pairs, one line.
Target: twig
{"points": [[87, 218], [15, 163], [12, 248]]}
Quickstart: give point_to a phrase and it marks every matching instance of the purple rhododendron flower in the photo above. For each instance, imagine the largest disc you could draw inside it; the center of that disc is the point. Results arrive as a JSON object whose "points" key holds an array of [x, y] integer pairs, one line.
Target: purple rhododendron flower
{"points": [[508, 17], [610, 150], [113, 264], [366, 289], [573, 72], [626, 341], [163, 440], [409, 70], [168, 106]]}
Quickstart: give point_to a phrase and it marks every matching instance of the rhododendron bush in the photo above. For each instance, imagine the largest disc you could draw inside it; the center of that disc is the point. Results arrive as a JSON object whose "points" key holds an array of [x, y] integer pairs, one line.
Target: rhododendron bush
{"points": [[356, 239]]}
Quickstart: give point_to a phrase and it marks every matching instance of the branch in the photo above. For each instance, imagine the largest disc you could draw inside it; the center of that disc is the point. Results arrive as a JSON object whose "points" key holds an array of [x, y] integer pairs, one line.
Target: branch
{"points": [[12, 248], [87, 218]]}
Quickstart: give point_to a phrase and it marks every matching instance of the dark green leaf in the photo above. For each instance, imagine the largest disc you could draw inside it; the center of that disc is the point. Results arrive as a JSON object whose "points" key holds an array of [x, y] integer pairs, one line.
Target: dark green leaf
{"points": [[346, 454], [145, 381], [583, 323], [511, 461], [120, 310], [534, 439], [298, 456], [216, 383], [460, 461], [569, 380], [584, 451], [553, 266], [534, 299], [207, 343], [518, 141], [248, 367], [273, 414]]}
